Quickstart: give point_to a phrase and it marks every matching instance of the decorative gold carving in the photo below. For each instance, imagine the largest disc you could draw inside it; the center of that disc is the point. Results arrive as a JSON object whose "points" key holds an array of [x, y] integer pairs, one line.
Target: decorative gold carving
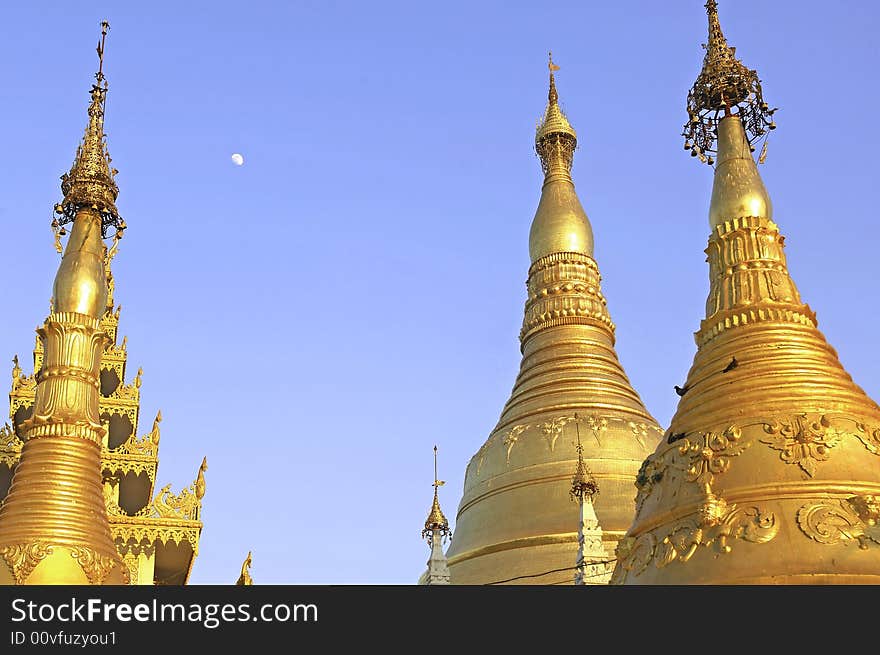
{"points": [[199, 485], [802, 441], [869, 436], [10, 446], [130, 559], [639, 430], [154, 433], [95, 565], [23, 558], [842, 521], [748, 279], [711, 455], [511, 437], [564, 289], [715, 523], [552, 429], [185, 505], [245, 577]]}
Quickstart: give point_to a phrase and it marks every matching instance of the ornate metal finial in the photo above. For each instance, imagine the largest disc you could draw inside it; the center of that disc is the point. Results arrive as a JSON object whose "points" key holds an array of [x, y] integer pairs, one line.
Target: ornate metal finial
{"points": [[555, 139], [200, 485], [91, 181], [436, 522], [245, 577], [724, 87], [552, 96], [583, 484]]}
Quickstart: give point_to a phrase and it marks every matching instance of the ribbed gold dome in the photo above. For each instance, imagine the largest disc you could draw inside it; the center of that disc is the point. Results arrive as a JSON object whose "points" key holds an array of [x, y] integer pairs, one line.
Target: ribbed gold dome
{"points": [[770, 469], [516, 519]]}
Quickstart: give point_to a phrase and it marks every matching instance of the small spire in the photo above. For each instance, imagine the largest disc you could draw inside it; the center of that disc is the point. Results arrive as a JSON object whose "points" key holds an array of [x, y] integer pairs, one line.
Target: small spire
{"points": [[555, 139], [435, 531], [592, 562], [436, 521], [91, 180], [723, 85], [583, 484]]}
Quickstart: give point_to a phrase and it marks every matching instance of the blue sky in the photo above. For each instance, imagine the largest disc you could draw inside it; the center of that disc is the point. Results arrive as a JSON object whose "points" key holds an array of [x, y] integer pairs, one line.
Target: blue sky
{"points": [[315, 320]]}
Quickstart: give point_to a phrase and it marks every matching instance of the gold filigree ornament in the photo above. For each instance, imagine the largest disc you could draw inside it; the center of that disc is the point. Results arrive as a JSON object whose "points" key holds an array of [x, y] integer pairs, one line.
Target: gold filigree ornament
{"points": [[552, 429], [803, 441], [710, 454], [640, 431], [714, 524], [512, 437], [22, 559], [853, 519], [130, 559], [95, 565], [869, 436]]}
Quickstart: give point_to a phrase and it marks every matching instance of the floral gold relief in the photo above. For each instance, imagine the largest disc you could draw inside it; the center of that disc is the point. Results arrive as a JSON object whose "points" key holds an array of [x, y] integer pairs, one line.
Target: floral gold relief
{"points": [[803, 441], [23, 558], [95, 565], [852, 520]]}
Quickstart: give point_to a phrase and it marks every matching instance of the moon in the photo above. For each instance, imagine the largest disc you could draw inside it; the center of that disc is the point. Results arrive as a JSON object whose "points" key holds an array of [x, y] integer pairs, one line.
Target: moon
{"points": [[237, 159]]}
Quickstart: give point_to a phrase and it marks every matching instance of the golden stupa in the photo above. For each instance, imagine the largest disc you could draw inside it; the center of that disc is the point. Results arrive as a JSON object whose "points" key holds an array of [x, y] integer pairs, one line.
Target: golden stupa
{"points": [[515, 521], [79, 508], [770, 469]]}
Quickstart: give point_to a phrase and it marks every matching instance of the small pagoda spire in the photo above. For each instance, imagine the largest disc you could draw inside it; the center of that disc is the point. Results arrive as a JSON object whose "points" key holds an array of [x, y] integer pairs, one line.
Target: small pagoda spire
{"points": [[592, 558], [560, 223], [435, 532]]}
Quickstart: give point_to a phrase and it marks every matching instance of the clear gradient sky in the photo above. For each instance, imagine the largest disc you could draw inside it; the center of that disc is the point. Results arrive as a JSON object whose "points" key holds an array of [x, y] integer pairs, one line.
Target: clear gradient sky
{"points": [[315, 320]]}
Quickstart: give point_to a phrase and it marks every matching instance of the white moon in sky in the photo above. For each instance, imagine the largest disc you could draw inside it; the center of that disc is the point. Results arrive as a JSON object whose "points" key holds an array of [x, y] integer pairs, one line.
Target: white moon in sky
{"points": [[237, 159]]}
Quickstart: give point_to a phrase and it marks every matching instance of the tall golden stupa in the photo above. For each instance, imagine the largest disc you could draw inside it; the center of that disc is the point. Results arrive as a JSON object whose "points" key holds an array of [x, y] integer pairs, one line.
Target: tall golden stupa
{"points": [[770, 469], [515, 520], [80, 507]]}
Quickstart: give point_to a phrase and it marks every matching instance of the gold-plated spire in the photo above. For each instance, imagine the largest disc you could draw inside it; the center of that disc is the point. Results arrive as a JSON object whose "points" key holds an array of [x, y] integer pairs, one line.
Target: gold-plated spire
{"points": [[54, 527], [436, 521], [244, 577], [514, 521], [724, 86], [560, 223], [769, 470], [91, 181], [436, 531]]}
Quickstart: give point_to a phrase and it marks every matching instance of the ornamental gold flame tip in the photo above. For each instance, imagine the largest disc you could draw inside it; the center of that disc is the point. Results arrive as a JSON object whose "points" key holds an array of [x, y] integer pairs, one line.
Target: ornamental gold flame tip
{"points": [[245, 576], [91, 181], [724, 87], [436, 521]]}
